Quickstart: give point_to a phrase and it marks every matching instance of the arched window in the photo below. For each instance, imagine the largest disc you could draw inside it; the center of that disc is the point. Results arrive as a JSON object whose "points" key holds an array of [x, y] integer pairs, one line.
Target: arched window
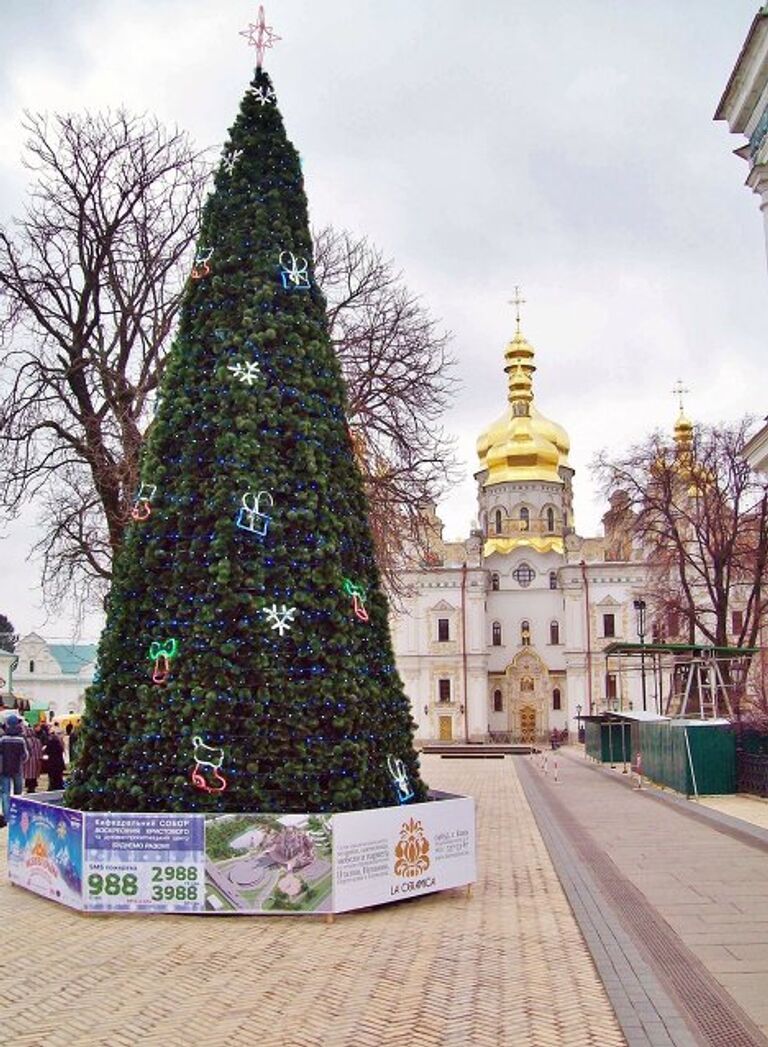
{"points": [[495, 582], [496, 634], [553, 579], [556, 698], [525, 633], [554, 632], [525, 519], [497, 521], [526, 684], [498, 702], [565, 520], [31, 666], [550, 520]]}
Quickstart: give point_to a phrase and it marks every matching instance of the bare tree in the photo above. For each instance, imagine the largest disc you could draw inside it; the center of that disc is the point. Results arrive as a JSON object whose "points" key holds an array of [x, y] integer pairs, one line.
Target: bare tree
{"points": [[701, 519], [8, 635], [400, 380], [91, 281], [90, 286]]}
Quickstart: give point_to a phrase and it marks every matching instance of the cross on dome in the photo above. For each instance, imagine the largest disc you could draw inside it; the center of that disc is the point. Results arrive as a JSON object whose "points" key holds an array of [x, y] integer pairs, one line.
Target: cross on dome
{"points": [[679, 391], [517, 301]]}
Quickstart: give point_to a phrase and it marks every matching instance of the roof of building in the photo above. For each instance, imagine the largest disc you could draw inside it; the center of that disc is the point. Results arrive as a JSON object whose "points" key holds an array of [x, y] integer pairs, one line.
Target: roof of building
{"points": [[73, 657], [613, 716], [750, 46]]}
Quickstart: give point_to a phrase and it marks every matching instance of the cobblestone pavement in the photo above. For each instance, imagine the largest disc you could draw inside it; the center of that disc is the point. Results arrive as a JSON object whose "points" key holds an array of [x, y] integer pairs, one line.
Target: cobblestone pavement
{"points": [[682, 891], [751, 808], [505, 967]]}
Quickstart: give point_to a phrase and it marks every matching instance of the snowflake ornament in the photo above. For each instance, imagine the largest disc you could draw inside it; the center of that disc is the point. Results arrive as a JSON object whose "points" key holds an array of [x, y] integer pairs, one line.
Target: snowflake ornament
{"points": [[247, 373], [264, 96], [230, 159], [280, 619]]}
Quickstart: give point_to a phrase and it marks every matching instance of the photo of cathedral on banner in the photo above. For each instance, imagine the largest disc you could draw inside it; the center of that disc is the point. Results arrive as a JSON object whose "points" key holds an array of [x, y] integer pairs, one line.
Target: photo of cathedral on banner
{"points": [[253, 864]]}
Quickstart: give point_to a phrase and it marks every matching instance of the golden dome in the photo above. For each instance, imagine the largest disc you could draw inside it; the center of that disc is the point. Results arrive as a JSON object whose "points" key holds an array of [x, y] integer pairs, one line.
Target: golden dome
{"points": [[522, 444], [683, 432]]}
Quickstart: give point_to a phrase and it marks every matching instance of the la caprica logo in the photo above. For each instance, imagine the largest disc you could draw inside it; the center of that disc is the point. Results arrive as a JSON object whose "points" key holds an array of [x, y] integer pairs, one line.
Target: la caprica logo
{"points": [[412, 858]]}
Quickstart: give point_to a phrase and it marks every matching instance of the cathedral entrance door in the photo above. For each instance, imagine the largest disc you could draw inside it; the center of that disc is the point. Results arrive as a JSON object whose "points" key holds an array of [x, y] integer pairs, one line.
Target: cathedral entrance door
{"points": [[527, 725], [446, 728]]}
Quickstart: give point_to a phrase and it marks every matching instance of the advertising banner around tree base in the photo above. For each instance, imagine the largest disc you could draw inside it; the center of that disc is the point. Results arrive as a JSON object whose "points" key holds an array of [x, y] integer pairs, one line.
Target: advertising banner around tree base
{"points": [[250, 863], [45, 850]]}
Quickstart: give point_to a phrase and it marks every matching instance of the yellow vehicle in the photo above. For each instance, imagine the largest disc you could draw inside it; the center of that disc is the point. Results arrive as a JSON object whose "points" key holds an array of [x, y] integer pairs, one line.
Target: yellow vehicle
{"points": [[73, 718]]}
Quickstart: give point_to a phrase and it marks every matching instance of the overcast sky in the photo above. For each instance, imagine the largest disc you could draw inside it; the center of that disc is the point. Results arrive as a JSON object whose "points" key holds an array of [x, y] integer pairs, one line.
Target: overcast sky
{"points": [[566, 147]]}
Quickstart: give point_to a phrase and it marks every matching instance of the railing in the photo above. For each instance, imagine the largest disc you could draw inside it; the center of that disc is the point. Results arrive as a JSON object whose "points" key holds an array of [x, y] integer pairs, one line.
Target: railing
{"points": [[523, 738], [752, 773]]}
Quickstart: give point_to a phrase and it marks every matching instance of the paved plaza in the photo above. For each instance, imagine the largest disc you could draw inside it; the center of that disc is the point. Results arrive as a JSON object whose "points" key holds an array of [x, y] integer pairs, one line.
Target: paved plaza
{"points": [[601, 916]]}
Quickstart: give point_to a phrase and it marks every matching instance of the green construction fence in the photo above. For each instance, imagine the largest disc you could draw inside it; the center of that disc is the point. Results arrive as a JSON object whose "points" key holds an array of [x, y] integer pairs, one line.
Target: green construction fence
{"points": [[691, 758], [608, 742]]}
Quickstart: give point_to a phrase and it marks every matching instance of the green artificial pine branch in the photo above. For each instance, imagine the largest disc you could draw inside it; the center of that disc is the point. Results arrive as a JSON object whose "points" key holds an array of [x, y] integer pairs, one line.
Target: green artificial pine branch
{"points": [[303, 716]]}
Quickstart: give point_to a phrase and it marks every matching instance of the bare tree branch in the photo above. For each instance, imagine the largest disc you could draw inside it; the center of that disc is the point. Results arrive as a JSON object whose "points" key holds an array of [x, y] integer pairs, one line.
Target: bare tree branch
{"points": [[400, 380], [700, 516], [90, 285]]}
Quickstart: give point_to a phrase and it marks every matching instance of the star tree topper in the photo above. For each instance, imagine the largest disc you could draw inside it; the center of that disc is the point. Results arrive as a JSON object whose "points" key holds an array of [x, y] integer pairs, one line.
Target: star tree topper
{"points": [[261, 36]]}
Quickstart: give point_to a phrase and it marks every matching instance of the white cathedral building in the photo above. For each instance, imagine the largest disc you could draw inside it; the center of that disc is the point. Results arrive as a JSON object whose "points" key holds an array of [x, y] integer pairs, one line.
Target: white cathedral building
{"points": [[501, 636]]}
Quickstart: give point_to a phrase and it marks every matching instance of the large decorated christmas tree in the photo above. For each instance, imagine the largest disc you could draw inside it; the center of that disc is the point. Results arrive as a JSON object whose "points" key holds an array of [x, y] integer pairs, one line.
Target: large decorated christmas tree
{"points": [[246, 662]]}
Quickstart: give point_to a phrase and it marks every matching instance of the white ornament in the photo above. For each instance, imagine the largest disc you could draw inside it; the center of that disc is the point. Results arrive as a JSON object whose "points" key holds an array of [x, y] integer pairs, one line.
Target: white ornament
{"points": [[141, 509], [294, 272], [229, 161], [396, 768], [247, 373], [208, 758], [201, 267], [280, 619], [262, 96], [250, 517]]}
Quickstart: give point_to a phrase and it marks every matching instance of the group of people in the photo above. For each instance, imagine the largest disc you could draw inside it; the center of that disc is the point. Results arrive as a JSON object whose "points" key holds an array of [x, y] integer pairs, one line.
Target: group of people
{"points": [[26, 753]]}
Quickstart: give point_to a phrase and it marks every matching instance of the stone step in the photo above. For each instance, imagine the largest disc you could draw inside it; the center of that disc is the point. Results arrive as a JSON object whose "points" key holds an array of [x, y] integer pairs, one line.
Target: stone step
{"points": [[478, 751]]}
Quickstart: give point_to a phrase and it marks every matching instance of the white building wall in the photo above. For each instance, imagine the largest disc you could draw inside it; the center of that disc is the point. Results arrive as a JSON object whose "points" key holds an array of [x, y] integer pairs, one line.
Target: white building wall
{"points": [[38, 678]]}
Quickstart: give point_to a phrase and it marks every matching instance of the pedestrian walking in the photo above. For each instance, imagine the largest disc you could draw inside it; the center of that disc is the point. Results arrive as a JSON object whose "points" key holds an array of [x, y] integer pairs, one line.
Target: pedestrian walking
{"points": [[73, 735], [53, 760], [13, 753], [33, 765]]}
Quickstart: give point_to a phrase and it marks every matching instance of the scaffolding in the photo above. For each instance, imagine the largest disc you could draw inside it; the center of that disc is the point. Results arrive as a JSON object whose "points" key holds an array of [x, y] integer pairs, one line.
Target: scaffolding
{"points": [[701, 682]]}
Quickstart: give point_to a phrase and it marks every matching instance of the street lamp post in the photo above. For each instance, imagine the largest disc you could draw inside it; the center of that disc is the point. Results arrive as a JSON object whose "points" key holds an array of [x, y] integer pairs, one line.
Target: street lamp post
{"points": [[640, 611], [580, 729]]}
